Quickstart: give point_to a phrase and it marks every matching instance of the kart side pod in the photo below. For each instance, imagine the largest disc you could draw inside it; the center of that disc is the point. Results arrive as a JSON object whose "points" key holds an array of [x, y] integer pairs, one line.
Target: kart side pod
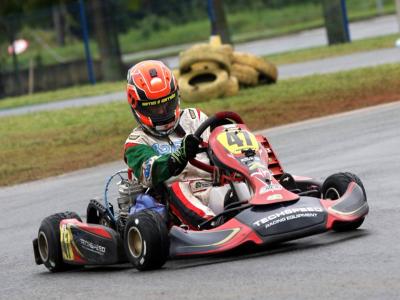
{"points": [[81, 244]]}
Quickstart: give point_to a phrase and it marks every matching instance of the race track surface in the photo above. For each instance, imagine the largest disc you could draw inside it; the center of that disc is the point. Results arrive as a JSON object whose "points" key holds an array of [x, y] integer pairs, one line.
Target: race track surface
{"points": [[363, 264]]}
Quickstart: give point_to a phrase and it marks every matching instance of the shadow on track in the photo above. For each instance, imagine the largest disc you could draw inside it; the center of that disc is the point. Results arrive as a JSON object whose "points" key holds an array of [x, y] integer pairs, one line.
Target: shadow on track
{"points": [[249, 252], [241, 253]]}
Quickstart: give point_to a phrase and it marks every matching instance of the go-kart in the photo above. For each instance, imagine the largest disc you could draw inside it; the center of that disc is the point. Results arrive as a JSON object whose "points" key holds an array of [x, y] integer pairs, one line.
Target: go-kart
{"points": [[259, 204]]}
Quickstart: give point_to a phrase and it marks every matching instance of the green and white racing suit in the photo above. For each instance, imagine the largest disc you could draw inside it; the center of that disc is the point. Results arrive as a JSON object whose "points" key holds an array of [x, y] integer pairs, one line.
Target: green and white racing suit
{"points": [[148, 157]]}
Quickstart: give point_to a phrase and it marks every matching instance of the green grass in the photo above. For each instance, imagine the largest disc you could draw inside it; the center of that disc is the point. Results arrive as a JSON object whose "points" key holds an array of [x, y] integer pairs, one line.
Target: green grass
{"points": [[369, 44], [244, 26], [49, 143], [279, 59]]}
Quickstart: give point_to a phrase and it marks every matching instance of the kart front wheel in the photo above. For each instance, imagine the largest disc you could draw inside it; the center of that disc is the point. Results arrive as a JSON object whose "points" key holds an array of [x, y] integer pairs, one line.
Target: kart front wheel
{"points": [[334, 187], [47, 246], [146, 240]]}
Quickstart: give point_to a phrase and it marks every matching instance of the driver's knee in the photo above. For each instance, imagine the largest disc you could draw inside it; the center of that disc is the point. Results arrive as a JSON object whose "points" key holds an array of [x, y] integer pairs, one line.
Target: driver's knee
{"points": [[188, 208]]}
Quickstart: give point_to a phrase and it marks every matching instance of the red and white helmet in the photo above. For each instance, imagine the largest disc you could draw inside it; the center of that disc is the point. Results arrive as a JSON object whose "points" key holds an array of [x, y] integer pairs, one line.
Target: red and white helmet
{"points": [[152, 93]]}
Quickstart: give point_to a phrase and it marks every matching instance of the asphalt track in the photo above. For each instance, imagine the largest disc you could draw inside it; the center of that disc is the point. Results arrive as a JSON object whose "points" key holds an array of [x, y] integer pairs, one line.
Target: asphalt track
{"points": [[319, 66], [363, 264], [296, 41]]}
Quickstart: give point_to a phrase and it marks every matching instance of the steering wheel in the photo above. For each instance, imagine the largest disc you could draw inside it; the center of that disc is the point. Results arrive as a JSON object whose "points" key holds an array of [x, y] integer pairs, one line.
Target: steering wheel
{"points": [[213, 121]]}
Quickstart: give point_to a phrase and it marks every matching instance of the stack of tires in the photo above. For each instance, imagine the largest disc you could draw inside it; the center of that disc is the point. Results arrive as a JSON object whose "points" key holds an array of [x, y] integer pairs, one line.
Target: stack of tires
{"points": [[214, 71], [252, 70]]}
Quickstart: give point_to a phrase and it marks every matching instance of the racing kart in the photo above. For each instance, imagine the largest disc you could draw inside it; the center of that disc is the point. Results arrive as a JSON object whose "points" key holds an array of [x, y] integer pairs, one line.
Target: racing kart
{"points": [[258, 203]]}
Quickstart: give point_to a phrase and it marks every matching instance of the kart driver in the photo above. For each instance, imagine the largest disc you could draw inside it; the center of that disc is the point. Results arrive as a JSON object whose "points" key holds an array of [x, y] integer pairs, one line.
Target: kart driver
{"points": [[158, 150]]}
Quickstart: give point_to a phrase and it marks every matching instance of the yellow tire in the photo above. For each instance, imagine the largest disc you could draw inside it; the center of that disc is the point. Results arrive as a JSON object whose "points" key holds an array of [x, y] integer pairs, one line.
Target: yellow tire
{"points": [[228, 50], [204, 65], [232, 87], [268, 73], [202, 85], [246, 75], [204, 52]]}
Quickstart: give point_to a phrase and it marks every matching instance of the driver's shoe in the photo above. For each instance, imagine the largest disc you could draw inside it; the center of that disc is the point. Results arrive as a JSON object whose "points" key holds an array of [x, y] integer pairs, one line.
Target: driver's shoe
{"points": [[287, 181]]}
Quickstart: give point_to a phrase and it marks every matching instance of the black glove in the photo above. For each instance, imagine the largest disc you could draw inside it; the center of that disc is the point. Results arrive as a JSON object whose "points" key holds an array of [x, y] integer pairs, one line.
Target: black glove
{"points": [[187, 150]]}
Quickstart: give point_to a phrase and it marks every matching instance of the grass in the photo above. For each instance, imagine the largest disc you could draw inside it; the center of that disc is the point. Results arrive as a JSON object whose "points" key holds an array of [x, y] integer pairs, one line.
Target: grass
{"points": [[244, 26], [369, 44], [279, 59], [49, 143]]}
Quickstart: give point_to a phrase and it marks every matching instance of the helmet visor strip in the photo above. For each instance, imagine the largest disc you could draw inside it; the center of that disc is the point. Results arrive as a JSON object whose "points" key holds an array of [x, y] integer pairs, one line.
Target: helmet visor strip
{"points": [[159, 108]]}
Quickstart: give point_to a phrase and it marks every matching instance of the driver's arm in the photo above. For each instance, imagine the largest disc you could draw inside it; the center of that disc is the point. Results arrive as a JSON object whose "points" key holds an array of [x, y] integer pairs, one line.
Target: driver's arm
{"points": [[152, 169]]}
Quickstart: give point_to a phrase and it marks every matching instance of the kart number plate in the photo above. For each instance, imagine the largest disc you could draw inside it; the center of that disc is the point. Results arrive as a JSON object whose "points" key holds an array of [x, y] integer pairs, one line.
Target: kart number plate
{"points": [[235, 141]]}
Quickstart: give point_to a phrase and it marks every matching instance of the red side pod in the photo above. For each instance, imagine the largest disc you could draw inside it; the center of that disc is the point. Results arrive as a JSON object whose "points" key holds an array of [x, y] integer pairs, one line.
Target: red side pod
{"points": [[90, 244], [92, 228], [226, 237]]}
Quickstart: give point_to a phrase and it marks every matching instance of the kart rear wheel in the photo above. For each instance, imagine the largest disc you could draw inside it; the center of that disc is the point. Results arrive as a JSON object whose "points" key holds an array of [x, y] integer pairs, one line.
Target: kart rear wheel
{"points": [[48, 241], [146, 240], [334, 187]]}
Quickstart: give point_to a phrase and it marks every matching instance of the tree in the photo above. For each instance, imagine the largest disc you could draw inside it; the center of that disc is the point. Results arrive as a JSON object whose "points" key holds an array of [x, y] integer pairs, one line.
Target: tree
{"points": [[9, 24], [104, 27], [398, 11], [219, 26], [336, 21]]}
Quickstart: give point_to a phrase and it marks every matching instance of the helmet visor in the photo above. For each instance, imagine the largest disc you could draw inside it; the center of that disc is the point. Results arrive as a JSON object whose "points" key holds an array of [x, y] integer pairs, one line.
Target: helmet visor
{"points": [[159, 109]]}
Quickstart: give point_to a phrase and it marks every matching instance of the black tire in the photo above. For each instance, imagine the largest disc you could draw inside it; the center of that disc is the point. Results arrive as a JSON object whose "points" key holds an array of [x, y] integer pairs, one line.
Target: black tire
{"points": [[146, 240], [49, 246], [334, 187], [96, 213]]}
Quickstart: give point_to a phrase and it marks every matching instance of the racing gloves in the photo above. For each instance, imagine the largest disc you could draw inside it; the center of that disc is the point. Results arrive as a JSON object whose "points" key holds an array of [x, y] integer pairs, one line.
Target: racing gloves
{"points": [[188, 150]]}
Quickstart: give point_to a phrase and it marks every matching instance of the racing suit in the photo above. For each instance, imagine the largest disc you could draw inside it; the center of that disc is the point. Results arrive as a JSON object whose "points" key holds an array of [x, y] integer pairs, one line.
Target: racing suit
{"points": [[148, 157]]}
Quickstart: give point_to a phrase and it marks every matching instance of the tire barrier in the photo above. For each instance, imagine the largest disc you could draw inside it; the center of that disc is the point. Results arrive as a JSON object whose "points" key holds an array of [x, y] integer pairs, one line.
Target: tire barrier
{"points": [[232, 87], [246, 75], [208, 71], [267, 71], [203, 85], [204, 65], [204, 52]]}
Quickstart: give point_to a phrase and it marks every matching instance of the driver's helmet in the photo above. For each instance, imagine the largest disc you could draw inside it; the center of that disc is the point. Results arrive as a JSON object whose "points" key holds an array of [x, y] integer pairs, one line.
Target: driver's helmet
{"points": [[153, 96]]}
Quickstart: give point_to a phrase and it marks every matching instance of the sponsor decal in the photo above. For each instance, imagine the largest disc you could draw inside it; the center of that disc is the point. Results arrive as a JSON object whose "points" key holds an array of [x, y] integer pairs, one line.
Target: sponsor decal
{"points": [[66, 242], [198, 186], [146, 176], [166, 148], [245, 160], [230, 126], [270, 187], [192, 114], [159, 101], [147, 169], [275, 197], [257, 165], [92, 247], [288, 214], [134, 137]]}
